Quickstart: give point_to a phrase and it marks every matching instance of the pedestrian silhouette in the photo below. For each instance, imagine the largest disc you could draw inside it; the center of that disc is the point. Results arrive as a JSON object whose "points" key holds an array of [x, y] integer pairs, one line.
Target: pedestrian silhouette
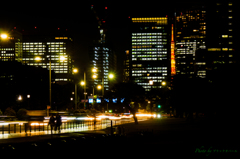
{"points": [[58, 122], [51, 122]]}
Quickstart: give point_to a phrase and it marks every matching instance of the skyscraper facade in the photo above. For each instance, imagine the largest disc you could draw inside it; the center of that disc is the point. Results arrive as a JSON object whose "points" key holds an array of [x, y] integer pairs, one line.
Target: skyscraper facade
{"points": [[190, 33], [35, 48], [102, 58], [103, 61], [222, 30], [150, 62], [8, 52]]}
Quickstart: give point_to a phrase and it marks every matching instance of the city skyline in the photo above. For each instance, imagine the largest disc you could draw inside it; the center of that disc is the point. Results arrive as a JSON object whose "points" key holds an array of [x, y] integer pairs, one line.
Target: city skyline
{"points": [[82, 24]]}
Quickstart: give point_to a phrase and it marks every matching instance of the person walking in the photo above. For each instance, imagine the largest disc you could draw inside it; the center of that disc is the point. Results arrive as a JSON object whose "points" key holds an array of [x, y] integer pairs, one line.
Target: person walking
{"points": [[58, 122], [51, 122]]}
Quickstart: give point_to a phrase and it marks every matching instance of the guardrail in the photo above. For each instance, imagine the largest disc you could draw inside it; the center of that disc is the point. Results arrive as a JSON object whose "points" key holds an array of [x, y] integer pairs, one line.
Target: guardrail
{"points": [[25, 127]]}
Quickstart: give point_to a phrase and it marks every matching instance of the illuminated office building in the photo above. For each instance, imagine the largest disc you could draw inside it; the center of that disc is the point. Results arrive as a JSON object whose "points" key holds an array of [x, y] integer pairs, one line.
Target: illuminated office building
{"points": [[8, 52], [150, 63], [222, 28], [103, 60], [190, 39], [38, 48]]}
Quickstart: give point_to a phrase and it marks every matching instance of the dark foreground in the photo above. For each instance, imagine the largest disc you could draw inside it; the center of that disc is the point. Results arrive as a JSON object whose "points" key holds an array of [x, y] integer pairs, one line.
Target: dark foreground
{"points": [[158, 138]]}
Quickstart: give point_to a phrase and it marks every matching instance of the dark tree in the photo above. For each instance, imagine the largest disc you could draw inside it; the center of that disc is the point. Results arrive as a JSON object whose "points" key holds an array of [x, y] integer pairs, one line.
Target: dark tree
{"points": [[132, 93]]}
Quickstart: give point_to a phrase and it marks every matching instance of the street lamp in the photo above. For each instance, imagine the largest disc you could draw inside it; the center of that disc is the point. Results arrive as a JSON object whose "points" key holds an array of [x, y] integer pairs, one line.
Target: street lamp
{"points": [[19, 97], [99, 87], [75, 70], [111, 75], [4, 36], [163, 83], [62, 58]]}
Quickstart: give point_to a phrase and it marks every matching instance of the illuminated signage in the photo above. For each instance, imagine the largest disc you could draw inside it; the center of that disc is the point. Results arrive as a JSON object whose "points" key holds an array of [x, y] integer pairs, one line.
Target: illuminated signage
{"points": [[98, 100], [90, 100], [114, 100]]}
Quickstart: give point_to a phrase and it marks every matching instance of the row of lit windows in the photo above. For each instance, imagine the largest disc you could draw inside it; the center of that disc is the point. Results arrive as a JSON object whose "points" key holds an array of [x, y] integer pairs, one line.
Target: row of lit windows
{"points": [[151, 18], [149, 37], [140, 34], [6, 57], [7, 49], [153, 40], [61, 79], [148, 59], [150, 77], [150, 68], [153, 77], [148, 55], [152, 49], [219, 49], [149, 71], [7, 54], [57, 59], [61, 37], [153, 43], [151, 53], [53, 65]]}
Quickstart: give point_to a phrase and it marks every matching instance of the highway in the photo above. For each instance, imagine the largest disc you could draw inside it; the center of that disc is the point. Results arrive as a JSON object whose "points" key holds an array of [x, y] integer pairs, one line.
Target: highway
{"points": [[15, 129]]}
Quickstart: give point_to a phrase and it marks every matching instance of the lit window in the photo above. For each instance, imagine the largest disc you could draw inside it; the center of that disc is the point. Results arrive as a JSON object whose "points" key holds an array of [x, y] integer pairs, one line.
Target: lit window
{"points": [[230, 17], [229, 29], [224, 36], [224, 49], [230, 4]]}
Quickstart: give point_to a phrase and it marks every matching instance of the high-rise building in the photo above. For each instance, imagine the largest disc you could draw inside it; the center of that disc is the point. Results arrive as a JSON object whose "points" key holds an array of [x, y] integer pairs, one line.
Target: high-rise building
{"points": [[150, 61], [190, 36], [103, 60], [8, 41], [40, 49], [221, 33]]}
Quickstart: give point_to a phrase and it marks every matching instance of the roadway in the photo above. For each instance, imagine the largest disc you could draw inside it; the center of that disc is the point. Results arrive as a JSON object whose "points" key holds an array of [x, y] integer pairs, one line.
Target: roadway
{"points": [[173, 137]]}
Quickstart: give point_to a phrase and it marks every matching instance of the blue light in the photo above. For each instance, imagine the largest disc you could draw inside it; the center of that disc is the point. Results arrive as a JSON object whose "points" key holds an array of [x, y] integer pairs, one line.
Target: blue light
{"points": [[122, 99], [98, 100], [107, 100], [114, 100], [90, 100]]}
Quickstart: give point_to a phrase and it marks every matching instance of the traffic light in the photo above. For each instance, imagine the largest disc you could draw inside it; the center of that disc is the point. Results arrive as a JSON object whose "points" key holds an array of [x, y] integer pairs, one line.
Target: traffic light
{"points": [[159, 106]]}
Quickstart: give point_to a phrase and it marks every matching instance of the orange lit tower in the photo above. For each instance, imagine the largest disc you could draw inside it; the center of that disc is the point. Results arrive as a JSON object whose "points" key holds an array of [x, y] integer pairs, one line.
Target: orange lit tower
{"points": [[173, 63]]}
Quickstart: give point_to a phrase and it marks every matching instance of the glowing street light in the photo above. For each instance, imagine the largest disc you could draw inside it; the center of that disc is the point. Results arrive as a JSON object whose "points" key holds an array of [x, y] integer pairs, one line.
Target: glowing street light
{"points": [[99, 87], [82, 83], [163, 83], [111, 76], [4, 36], [37, 58], [75, 70], [19, 97], [62, 58], [94, 70]]}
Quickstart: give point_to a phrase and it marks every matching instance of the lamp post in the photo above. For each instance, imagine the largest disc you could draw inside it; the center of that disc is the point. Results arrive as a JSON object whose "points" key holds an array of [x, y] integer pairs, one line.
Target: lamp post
{"points": [[62, 58], [75, 70]]}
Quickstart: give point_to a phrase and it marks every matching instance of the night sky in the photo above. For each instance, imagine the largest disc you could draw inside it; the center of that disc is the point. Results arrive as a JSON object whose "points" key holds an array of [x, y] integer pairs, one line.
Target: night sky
{"points": [[81, 22]]}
